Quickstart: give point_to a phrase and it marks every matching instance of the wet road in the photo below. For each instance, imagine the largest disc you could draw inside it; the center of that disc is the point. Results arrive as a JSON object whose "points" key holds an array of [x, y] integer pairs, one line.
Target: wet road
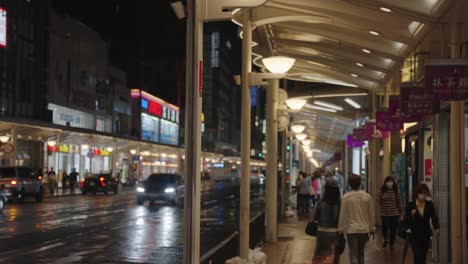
{"points": [[113, 229]]}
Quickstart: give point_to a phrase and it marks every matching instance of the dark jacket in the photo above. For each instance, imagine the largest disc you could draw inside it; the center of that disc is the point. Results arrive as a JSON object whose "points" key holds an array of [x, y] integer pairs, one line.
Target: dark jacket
{"points": [[420, 224], [327, 215]]}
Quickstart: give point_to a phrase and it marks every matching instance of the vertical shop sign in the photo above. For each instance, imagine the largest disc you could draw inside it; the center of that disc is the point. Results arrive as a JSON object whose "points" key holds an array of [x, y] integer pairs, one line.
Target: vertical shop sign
{"points": [[360, 134], [352, 143], [448, 79], [396, 111]]}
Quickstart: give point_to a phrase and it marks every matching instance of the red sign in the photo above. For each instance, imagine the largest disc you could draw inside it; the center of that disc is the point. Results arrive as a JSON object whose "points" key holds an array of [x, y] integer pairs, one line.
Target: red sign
{"points": [[155, 108], [448, 81]]}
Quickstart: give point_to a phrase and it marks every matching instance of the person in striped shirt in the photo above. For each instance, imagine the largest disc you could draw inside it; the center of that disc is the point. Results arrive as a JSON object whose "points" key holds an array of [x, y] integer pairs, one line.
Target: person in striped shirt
{"points": [[390, 210]]}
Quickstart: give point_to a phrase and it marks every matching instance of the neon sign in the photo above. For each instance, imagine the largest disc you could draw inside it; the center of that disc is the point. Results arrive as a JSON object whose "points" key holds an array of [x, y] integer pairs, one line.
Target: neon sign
{"points": [[3, 27]]}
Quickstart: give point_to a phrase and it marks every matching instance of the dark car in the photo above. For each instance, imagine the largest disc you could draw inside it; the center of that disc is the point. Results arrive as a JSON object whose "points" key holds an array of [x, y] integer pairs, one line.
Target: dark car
{"points": [[18, 182], [3, 201], [99, 183], [161, 187]]}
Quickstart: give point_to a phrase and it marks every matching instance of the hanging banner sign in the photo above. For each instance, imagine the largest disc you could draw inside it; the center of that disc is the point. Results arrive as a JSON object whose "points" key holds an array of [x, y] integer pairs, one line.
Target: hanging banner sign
{"points": [[353, 143], [396, 111], [386, 122], [418, 101], [360, 134], [448, 79]]}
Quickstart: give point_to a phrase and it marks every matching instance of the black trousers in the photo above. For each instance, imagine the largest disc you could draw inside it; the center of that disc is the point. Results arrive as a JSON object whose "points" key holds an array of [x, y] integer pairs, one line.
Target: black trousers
{"points": [[420, 247], [389, 228]]}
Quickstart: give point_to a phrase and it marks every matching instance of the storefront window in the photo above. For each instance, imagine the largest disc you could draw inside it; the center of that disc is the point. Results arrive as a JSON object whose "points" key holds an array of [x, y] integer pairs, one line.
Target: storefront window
{"points": [[149, 127], [169, 132]]}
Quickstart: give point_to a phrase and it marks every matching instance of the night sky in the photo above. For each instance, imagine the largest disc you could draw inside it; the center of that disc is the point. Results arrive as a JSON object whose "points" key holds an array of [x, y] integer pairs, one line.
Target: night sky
{"points": [[146, 31]]}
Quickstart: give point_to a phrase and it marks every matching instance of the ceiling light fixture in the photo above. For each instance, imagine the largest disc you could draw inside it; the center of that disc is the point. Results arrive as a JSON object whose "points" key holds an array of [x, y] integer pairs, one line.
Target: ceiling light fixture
{"points": [[321, 108], [301, 136], [298, 128], [375, 33], [366, 51], [385, 9], [51, 143], [133, 151], [359, 64], [306, 142], [352, 103], [354, 75], [296, 103], [325, 104], [110, 149]]}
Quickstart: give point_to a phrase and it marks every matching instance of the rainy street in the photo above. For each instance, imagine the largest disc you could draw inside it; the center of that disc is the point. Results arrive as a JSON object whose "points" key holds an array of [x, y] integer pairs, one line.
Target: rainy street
{"points": [[113, 229]]}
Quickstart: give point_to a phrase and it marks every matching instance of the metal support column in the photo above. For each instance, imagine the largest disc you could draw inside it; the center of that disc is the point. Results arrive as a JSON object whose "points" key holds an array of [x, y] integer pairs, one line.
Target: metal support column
{"points": [[272, 161], [244, 224], [194, 64], [285, 162]]}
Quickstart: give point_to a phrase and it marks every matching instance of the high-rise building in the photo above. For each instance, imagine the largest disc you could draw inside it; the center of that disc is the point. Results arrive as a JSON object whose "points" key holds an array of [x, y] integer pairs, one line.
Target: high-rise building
{"points": [[221, 96], [23, 58]]}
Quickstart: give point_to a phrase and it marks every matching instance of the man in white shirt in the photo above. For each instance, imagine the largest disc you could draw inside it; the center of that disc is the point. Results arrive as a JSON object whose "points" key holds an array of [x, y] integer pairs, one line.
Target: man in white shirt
{"points": [[357, 219]]}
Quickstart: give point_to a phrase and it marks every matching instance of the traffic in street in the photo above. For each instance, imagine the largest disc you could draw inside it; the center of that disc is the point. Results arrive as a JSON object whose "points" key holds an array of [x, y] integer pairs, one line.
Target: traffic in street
{"points": [[113, 228]]}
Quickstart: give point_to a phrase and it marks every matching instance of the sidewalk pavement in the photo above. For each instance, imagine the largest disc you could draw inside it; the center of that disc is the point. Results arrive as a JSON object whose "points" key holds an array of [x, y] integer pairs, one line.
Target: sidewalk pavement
{"points": [[295, 247]]}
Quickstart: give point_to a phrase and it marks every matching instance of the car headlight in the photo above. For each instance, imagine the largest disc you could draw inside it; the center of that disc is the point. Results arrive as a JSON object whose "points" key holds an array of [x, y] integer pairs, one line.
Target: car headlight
{"points": [[169, 190], [140, 189]]}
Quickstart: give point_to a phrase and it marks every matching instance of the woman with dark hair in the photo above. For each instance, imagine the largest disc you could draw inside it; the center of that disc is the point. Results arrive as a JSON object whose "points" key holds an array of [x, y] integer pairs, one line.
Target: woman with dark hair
{"points": [[326, 215], [390, 210], [419, 215]]}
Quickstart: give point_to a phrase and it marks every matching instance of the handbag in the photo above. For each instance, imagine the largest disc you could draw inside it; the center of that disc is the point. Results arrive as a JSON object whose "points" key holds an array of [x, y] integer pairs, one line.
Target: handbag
{"points": [[341, 244], [402, 230], [311, 228]]}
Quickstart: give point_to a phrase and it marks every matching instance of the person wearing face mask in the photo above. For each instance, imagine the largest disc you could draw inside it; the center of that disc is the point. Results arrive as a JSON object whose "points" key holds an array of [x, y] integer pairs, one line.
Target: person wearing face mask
{"points": [[419, 214], [390, 210]]}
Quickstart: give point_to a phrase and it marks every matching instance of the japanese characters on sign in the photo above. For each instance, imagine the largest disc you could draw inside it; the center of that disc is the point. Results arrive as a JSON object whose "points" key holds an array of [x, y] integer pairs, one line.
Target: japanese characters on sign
{"points": [[386, 122], [418, 101], [447, 82]]}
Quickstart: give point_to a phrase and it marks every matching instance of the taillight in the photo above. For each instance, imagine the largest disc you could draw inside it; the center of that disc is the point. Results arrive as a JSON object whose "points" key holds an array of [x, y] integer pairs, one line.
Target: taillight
{"points": [[13, 182]]}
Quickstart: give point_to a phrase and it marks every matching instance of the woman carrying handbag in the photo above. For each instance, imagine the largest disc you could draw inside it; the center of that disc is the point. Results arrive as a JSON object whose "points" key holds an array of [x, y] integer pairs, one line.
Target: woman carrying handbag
{"points": [[330, 245], [420, 213]]}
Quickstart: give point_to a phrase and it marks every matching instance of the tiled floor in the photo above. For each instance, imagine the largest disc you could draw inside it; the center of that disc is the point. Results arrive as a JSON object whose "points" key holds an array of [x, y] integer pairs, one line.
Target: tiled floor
{"points": [[295, 247]]}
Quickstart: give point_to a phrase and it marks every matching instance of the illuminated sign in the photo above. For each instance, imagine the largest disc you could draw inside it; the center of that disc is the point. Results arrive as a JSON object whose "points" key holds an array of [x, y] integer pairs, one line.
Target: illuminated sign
{"points": [[155, 108], [144, 104], [3, 27]]}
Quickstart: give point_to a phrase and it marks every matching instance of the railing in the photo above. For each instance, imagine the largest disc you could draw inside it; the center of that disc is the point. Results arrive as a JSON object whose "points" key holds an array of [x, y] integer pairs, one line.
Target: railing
{"points": [[229, 247]]}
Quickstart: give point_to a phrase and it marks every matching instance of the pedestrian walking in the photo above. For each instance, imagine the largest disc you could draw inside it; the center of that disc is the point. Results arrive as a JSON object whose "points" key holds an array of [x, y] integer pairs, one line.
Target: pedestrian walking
{"points": [[327, 211], [305, 192], [300, 199], [420, 213], [51, 180], [356, 219], [316, 187], [390, 210], [73, 180]]}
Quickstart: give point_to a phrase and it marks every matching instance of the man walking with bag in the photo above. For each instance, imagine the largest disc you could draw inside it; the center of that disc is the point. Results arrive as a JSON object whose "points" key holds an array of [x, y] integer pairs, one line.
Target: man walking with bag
{"points": [[357, 219]]}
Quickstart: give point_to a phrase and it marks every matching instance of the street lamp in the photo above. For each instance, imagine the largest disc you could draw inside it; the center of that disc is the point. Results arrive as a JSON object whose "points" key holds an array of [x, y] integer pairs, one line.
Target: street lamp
{"points": [[301, 136], [278, 64], [298, 128], [4, 139], [296, 103]]}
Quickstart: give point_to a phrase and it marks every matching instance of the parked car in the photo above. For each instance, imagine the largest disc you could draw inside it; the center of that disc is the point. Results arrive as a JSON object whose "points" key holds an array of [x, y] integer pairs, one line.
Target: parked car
{"points": [[18, 182], [99, 183], [3, 201], [161, 187]]}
